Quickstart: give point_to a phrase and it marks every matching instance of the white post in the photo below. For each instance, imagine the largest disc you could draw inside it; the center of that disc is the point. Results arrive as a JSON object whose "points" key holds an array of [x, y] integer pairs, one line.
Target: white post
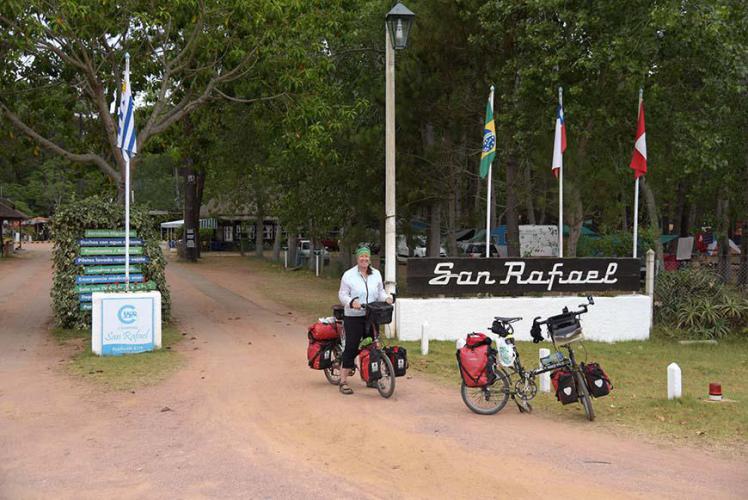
{"points": [[390, 264], [650, 274], [545, 378], [673, 381], [316, 264], [425, 338], [561, 190], [285, 258]]}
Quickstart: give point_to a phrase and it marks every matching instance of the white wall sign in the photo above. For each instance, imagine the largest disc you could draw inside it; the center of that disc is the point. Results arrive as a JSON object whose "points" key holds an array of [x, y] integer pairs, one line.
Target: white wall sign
{"points": [[611, 319], [125, 323]]}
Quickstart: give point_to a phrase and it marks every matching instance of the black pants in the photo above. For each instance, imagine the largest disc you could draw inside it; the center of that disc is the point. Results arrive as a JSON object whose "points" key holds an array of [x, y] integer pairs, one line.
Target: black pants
{"points": [[355, 330]]}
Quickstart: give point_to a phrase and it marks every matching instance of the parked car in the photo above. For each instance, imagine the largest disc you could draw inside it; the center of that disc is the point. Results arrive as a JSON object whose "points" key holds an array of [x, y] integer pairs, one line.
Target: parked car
{"points": [[476, 250], [420, 248], [304, 250]]}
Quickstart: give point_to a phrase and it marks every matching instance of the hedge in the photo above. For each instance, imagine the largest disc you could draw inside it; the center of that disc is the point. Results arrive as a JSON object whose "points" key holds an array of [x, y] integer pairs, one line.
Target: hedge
{"points": [[68, 225]]}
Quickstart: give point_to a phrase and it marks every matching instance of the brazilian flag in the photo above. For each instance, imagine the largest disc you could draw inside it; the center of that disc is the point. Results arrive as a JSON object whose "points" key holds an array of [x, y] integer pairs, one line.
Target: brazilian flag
{"points": [[489, 139]]}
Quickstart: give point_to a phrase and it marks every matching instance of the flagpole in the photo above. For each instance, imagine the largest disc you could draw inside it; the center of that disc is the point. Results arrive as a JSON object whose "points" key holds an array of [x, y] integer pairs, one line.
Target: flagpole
{"points": [[561, 191], [488, 196], [636, 185], [127, 197]]}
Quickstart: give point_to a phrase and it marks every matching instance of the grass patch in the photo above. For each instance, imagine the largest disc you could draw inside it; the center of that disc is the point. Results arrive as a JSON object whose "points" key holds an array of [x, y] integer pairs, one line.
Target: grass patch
{"points": [[122, 372], [639, 401]]}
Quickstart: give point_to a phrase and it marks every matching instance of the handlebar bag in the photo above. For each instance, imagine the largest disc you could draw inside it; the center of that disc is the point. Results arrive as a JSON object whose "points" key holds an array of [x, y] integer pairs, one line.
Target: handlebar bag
{"points": [[319, 353], [476, 361], [597, 380], [370, 364], [563, 384], [323, 331], [399, 358]]}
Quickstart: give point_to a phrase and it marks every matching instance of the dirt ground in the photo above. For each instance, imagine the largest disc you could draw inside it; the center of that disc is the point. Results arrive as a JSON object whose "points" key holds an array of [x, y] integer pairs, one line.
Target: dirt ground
{"points": [[246, 418]]}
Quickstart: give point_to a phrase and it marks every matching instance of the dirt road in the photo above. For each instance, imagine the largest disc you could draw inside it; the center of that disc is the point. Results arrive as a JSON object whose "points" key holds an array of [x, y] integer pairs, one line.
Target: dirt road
{"points": [[248, 419]]}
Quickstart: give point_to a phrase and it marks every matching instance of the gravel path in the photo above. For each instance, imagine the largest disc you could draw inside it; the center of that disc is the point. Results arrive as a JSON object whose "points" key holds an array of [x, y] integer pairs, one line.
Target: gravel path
{"points": [[248, 419]]}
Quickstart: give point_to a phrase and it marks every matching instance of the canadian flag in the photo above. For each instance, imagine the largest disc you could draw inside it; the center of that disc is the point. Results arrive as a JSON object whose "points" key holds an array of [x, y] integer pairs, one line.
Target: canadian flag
{"points": [[639, 158]]}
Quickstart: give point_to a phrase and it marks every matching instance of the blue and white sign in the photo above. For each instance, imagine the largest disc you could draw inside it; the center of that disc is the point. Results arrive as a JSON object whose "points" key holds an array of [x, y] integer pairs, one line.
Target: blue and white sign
{"points": [[125, 323], [109, 259]]}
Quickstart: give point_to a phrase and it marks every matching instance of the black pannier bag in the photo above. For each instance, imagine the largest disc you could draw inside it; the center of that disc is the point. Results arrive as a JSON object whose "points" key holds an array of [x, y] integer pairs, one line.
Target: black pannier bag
{"points": [[338, 311], [399, 358], [563, 383], [597, 380], [379, 312]]}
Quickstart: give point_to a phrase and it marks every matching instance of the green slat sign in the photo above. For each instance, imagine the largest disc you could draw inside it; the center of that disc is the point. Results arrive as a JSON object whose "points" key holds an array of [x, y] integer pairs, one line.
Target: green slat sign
{"points": [[110, 251], [86, 306], [110, 269], [108, 233], [116, 287]]}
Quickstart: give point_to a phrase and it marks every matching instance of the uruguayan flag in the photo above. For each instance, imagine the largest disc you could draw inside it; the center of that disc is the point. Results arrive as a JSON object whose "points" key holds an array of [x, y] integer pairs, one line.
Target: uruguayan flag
{"points": [[126, 135]]}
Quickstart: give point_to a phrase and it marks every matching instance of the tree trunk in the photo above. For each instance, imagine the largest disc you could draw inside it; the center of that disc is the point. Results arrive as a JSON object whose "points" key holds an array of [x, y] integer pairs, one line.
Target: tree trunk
{"points": [[259, 230], [528, 192], [291, 250], [575, 221], [654, 220], [435, 229], [452, 224], [684, 223], [512, 224], [723, 218], [277, 243], [191, 236], [199, 189]]}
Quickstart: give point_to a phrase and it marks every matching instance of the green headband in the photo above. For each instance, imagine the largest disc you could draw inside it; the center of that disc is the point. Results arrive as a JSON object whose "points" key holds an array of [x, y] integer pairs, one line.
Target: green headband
{"points": [[363, 250]]}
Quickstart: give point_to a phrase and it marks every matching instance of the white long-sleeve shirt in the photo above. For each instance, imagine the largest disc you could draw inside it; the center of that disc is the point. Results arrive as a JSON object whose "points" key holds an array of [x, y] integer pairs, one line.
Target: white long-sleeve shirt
{"points": [[366, 288]]}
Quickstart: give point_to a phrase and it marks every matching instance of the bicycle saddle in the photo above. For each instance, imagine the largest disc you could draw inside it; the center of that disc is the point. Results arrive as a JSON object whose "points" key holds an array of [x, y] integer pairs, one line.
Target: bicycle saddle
{"points": [[507, 319]]}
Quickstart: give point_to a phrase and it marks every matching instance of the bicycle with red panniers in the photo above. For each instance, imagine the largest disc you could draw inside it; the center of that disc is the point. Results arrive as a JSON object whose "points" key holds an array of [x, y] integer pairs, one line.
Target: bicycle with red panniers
{"points": [[378, 365], [488, 373]]}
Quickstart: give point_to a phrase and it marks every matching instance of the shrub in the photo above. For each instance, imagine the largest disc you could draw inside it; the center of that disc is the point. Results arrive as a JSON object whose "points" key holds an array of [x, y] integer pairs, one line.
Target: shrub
{"points": [[68, 225], [695, 302]]}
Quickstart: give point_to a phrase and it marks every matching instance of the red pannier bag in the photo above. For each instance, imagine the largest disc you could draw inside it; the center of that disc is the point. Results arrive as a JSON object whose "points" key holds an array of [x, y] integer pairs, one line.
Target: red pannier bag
{"points": [[319, 353], [564, 385], [597, 380], [323, 331], [370, 364], [476, 361]]}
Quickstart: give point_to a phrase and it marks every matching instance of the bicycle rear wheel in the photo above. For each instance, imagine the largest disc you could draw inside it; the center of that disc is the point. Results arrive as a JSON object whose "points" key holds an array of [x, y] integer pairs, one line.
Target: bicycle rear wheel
{"points": [[584, 396], [332, 374], [386, 383], [487, 400]]}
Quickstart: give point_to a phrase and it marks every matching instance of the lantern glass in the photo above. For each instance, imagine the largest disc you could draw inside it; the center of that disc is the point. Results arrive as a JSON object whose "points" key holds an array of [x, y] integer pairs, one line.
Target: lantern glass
{"points": [[399, 22]]}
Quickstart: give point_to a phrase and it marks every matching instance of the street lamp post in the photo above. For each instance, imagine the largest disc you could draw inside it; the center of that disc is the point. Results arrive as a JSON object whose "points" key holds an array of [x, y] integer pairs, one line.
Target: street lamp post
{"points": [[398, 22]]}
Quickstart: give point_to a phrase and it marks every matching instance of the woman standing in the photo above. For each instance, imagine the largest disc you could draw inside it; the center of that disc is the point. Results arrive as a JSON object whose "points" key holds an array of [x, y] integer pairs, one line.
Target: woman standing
{"points": [[359, 285]]}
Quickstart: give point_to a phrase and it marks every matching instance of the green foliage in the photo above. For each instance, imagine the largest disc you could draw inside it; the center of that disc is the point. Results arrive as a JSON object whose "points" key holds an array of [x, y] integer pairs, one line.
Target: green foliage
{"points": [[696, 304], [615, 244], [68, 225]]}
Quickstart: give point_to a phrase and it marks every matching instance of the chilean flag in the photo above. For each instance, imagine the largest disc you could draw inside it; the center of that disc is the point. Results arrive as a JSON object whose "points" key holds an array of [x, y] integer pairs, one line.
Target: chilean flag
{"points": [[559, 143], [639, 158]]}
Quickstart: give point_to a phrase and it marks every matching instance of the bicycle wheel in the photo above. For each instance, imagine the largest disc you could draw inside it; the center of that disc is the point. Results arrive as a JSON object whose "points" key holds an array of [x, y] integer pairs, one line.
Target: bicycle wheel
{"points": [[489, 399], [386, 383], [332, 374], [584, 396]]}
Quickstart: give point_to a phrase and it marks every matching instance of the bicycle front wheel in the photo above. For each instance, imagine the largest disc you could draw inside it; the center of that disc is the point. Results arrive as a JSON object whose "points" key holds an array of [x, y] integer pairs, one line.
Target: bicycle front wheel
{"points": [[584, 396], [489, 399], [332, 374], [386, 383]]}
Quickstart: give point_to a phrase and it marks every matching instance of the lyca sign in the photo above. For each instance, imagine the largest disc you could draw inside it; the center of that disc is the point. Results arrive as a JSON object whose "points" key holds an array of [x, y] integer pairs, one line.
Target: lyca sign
{"points": [[125, 323], [516, 276]]}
